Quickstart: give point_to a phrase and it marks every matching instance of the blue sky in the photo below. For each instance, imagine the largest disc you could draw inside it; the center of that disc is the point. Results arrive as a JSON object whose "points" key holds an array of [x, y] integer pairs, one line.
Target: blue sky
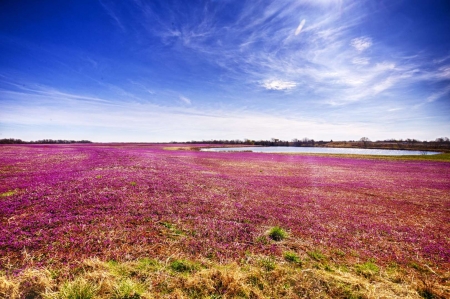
{"points": [[224, 69]]}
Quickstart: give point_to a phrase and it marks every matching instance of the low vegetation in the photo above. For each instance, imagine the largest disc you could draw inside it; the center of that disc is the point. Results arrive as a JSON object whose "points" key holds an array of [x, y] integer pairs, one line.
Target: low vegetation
{"points": [[276, 233], [257, 277], [138, 221]]}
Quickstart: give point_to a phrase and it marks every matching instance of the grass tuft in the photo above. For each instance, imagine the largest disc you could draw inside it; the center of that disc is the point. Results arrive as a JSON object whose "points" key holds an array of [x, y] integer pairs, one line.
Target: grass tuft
{"points": [[276, 233], [267, 263], [78, 289], [8, 193], [292, 257], [368, 269], [183, 266], [127, 289], [316, 255]]}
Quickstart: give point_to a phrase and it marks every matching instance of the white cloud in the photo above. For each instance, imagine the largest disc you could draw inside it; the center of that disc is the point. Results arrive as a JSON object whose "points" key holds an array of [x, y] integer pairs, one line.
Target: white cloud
{"points": [[278, 85], [300, 27], [444, 72], [361, 43], [384, 85], [185, 100]]}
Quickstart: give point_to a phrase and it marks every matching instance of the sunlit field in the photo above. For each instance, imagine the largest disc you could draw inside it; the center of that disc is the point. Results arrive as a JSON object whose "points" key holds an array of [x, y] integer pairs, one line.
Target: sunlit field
{"points": [[162, 221]]}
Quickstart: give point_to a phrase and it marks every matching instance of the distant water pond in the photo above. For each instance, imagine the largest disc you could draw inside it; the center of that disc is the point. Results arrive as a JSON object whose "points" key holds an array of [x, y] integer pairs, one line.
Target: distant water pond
{"points": [[320, 150]]}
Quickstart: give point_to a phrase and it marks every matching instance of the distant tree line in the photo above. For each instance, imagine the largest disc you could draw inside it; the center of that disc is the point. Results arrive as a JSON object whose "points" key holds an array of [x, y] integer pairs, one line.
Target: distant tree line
{"points": [[43, 141], [272, 142], [412, 141]]}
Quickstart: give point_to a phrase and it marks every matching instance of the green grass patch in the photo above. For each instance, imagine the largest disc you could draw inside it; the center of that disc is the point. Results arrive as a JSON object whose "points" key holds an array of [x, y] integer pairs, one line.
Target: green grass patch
{"points": [[118, 269], [172, 228], [77, 289], [443, 157], [368, 269], [267, 263], [8, 193], [183, 266], [276, 233], [292, 257], [146, 264], [316, 255], [127, 289]]}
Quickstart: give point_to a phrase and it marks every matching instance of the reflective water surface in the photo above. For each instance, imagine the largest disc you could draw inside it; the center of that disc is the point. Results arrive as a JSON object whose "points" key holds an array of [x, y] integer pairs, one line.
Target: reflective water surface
{"points": [[320, 150]]}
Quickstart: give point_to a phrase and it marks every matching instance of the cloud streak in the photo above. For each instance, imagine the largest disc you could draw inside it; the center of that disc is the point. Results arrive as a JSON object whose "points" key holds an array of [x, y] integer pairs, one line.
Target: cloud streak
{"points": [[361, 43], [300, 27], [112, 14], [185, 100], [278, 85]]}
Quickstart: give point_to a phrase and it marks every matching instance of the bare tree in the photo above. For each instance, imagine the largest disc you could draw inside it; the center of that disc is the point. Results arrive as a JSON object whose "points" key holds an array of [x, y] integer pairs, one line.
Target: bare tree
{"points": [[364, 140]]}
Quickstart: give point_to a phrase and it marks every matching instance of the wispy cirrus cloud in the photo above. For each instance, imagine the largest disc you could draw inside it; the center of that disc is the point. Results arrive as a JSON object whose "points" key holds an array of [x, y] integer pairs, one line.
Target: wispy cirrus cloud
{"points": [[258, 43], [361, 60], [437, 95], [112, 13], [278, 85], [361, 43], [185, 100], [300, 27], [261, 40]]}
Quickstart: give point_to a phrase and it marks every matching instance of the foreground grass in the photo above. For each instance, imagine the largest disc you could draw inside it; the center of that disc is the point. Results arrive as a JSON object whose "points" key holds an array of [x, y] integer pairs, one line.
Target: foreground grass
{"points": [[255, 277]]}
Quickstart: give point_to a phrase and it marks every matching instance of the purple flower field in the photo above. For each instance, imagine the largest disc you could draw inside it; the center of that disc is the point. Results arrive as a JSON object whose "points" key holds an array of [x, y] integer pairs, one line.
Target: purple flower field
{"points": [[60, 204]]}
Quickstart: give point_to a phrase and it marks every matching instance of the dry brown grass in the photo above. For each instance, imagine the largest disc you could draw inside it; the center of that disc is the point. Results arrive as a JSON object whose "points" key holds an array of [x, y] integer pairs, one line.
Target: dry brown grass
{"points": [[257, 277], [31, 283]]}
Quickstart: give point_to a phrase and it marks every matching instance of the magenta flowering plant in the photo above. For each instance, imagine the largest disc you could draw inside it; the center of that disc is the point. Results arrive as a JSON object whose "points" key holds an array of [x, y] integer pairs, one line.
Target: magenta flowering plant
{"points": [[60, 204]]}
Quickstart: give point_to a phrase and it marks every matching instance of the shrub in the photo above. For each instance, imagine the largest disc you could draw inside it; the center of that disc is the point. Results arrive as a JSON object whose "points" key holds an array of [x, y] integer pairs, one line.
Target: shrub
{"points": [[276, 233]]}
